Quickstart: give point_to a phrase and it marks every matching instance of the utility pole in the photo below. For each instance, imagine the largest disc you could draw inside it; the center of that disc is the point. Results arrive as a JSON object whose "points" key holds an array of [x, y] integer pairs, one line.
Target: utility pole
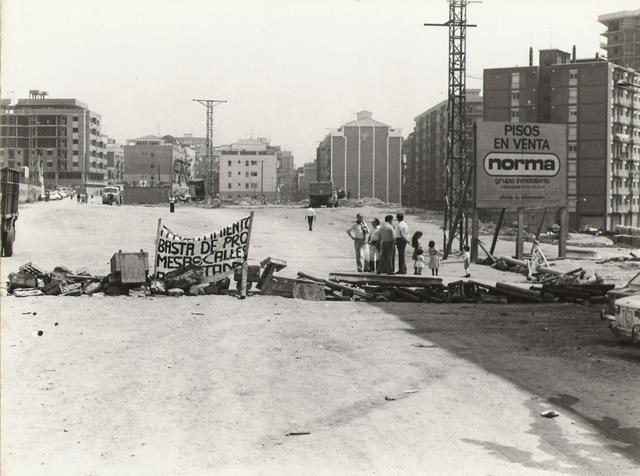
{"points": [[210, 104], [458, 165]]}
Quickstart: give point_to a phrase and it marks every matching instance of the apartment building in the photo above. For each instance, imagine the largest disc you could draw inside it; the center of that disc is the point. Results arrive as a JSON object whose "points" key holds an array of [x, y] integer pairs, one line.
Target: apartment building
{"points": [[600, 103], [286, 174], [363, 158], [152, 161], [58, 139], [248, 170], [426, 152], [622, 37], [115, 162]]}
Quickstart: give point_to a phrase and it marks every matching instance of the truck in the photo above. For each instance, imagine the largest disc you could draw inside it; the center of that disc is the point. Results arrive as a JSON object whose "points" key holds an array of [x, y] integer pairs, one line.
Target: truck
{"points": [[9, 196], [322, 193], [197, 189]]}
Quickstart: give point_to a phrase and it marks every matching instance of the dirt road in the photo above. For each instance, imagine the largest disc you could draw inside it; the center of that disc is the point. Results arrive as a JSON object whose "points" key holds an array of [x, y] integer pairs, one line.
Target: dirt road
{"points": [[214, 385]]}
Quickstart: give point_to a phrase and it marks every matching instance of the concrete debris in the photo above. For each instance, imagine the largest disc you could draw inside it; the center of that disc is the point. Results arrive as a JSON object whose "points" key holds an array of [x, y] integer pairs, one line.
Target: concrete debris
{"points": [[549, 414], [184, 278], [175, 292]]}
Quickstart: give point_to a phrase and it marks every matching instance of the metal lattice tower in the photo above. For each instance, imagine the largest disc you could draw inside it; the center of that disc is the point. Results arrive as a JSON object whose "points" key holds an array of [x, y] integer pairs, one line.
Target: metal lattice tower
{"points": [[210, 104], [458, 164]]}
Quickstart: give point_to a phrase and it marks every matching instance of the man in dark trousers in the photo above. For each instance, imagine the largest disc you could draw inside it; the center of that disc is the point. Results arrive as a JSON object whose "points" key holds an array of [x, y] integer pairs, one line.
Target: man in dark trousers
{"points": [[387, 238], [402, 238], [311, 217]]}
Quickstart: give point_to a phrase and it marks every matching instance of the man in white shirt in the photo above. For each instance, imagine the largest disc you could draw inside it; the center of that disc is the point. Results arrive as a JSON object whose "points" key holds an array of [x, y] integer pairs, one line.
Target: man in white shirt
{"points": [[311, 217], [358, 233], [402, 238]]}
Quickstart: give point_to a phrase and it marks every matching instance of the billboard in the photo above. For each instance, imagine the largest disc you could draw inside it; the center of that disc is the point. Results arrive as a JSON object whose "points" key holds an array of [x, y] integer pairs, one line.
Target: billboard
{"points": [[520, 165]]}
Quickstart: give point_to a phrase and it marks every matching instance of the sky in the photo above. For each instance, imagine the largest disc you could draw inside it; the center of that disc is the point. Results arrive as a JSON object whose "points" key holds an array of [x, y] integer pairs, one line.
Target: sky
{"points": [[290, 70]]}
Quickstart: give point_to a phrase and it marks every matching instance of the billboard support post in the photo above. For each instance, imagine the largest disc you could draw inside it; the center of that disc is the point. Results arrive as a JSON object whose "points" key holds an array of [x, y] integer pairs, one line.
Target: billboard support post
{"points": [[564, 232], [520, 236], [475, 234]]}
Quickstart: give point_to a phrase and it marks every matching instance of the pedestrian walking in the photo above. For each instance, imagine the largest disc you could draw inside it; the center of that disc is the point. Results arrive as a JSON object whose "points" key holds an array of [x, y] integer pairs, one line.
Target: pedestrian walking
{"points": [[418, 261], [402, 238], [310, 215], [78, 196], [387, 241], [358, 232], [466, 260], [434, 258], [374, 246]]}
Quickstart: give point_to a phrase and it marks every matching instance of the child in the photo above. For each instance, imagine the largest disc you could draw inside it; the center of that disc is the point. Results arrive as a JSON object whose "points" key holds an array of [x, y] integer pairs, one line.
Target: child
{"points": [[466, 257], [434, 258], [418, 261]]}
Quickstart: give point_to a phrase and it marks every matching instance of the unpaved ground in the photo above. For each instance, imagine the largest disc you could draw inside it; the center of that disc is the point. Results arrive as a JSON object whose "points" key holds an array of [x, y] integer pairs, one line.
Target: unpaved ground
{"points": [[212, 384]]}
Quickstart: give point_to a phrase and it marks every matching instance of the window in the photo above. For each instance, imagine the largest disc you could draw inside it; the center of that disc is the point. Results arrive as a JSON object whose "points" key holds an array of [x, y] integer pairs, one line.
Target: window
{"points": [[573, 113], [239, 173], [515, 80], [254, 174], [254, 162], [229, 174], [573, 95], [573, 150], [229, 164], [75, 141], [515, 96], [229, 186], [239, 185], [75, 129], [515, 115], [572, 131], [49, 152], [75, 118], [573, 74], [246, 163], [246, 185], [75, 152]]}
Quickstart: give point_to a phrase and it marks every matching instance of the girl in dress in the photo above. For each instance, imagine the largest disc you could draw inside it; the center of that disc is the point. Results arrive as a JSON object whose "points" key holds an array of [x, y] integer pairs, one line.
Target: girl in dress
{"points": [[434, 258]]}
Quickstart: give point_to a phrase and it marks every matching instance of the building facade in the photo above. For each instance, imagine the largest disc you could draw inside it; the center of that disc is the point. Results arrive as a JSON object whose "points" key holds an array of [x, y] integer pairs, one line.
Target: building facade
{"points": [[153, 161], [305, 175], [622, 37], [600, 103], [115, 162], [59, 139], [248, 170], [427, 152], [363, 158], [286, 174]]}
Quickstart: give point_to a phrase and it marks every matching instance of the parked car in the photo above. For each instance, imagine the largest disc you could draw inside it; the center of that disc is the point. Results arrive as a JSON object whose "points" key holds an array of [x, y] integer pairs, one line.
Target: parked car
{"points": [[53, 195], [631, 289], [625, 319]]}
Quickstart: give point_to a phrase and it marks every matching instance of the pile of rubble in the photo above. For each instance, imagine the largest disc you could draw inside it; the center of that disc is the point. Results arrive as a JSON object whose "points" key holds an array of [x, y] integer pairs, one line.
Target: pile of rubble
{"points": [[627, 235]]}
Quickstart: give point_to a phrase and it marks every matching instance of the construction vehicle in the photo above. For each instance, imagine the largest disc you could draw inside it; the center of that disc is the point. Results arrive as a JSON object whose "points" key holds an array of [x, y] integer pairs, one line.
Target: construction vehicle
{"points": [[322, 193], [9, 196]]}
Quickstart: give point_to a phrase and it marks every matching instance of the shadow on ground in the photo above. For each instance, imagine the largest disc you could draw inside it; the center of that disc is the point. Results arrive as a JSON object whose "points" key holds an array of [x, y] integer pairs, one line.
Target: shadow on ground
{"points": [[555, 351]]}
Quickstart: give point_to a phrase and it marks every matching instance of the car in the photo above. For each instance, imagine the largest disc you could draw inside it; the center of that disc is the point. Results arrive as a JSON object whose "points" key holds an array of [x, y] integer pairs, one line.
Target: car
{"points": [[62, 193], [624, 322], [53, 195]]}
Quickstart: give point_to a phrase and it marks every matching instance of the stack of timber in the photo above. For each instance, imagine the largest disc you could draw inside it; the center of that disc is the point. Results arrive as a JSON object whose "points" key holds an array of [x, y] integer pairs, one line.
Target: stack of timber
{"points": [[394, 287]]}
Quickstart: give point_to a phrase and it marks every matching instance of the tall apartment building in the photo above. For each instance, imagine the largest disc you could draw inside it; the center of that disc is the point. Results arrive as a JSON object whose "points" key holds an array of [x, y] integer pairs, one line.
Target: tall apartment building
{"points": [[115, 162], [427, 152], [600, 102], [286, 174], [58, 138], [622, 37], [363, 158], [248, 169], [152, 161], [305, 175]]}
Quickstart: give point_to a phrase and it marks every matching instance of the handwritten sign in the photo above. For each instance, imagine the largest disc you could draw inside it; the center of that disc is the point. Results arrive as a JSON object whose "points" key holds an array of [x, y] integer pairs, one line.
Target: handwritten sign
{"points": [[217, 252]]}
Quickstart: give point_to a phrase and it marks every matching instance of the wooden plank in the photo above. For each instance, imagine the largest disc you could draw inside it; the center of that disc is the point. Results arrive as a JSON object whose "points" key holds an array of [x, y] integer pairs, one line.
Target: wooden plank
{"points": [[337, 286], [373, 279]]}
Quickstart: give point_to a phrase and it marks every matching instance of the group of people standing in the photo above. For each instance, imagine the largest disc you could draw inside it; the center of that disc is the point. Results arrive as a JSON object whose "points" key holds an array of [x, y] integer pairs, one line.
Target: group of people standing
{"points": [[376, 248]]}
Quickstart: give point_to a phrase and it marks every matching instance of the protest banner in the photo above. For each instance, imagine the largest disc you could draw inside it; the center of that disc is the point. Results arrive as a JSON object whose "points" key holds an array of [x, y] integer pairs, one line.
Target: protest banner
{"points": [[218, 253]]}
